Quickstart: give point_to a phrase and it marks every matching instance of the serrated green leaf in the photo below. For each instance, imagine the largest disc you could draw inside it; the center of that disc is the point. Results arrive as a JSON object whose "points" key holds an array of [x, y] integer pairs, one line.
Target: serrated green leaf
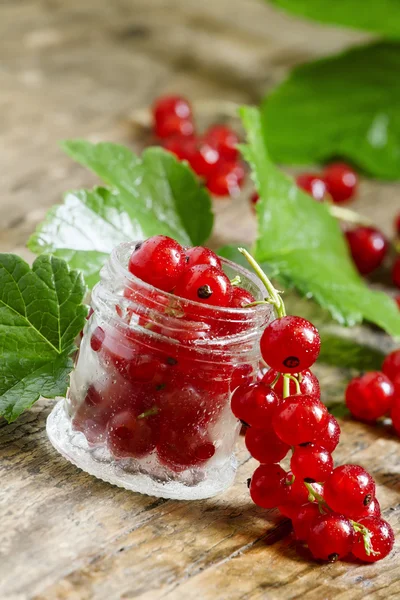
{"points": [[346, 105], [41, 313], [381, 16], [300, 238], [149, 195]]}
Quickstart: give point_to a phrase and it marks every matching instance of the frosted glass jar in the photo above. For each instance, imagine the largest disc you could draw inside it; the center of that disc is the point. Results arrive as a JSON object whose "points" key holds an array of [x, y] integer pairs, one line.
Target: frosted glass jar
{"points": [[149, 403]]}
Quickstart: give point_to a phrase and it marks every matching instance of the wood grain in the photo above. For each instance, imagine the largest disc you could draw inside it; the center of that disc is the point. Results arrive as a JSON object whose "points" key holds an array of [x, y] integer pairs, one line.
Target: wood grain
{"points": [[72, 69]]}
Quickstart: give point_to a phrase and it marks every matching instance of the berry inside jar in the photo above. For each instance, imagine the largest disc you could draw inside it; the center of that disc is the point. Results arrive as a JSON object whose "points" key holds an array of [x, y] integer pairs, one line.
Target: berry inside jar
{"points": [[174, 331]]}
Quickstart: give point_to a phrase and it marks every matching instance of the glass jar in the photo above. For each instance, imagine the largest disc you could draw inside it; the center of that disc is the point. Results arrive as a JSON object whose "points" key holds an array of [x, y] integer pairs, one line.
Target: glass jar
{"points": [[148, 407]]}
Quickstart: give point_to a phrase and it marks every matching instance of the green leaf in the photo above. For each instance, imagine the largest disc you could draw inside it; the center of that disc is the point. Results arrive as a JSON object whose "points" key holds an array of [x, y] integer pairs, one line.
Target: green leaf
{"points": [[299, 237], [153, 194], [41, 313], [381, 16], [345, 106]]}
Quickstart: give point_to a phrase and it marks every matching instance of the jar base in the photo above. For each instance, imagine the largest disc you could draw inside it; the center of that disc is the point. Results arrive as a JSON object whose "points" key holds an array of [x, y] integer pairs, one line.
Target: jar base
{"points": [[73, 446]]}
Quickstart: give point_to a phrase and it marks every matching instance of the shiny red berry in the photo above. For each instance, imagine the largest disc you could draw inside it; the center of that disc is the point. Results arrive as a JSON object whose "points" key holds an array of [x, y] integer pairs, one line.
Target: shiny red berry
{"points": [[396, 272], [226, 179], [180, 448], [255, 404], [129, 435], [381, 540], [268, 486], [174, 125], [302, 519], [172, 115], [224, 139], [300, 419], [341, 181], [159, 261], [370, 396], [265, 446], [330, 435], [313, 184], [205, 159], [330, 537], [97, 339], [349, 489], [311, 462], [309, 383], [241, 297], [290, 344], [202, 256], [391, 365], [205, 284], [372, 510], [297, 492], [182, 146], [368, 247]]}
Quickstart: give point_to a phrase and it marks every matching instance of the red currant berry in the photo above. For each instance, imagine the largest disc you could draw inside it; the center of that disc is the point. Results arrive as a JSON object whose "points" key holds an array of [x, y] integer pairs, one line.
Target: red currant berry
{"points": [[255, 405], [265, 446], [391, 365], [300, 419], [174, 125], [254, 198], [297, 492], [172, 115], [97, 339], [349, 489], [159, 261], [368, 248], [91, 416], [205, 159], [396, 272], [202, 256], [268, 486], [370, 396], [380, 543], [330, 537], [309, 384], [226, 179], [341, 182], [329, 437], [311, 463], [288, 510], [129, 435], [303, 517], [205, 284], [290, 344], [182, 146], [180, 449], [224, 140], [372, 510], [313, 184], [241, 297]]}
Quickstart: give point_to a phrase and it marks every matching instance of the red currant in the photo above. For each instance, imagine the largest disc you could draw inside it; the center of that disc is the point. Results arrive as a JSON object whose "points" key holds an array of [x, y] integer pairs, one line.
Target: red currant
{"points": [[303, 517], [129, 435], [290, 344], [182, 146], [255, 404], [308, 385], [329, 437], [349, 489], [381, 540], [174, 125], [396, 272], [159, 261], [311, 463], [97, 339], [226, 179], [368, 248], [91, 416], [297, 492], [224, 140], [202, 256], [341, 181], [179, 449], [372, 510], [330, 537], [391, 365], [300, 419], [205, 159], [172, 115], [268, 486], [370, 396], [313, 184], [265, 446], [205, 284], [241, 297]]}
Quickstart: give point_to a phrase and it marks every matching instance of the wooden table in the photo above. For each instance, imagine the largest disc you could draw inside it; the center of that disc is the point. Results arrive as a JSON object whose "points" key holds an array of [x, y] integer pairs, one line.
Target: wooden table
{"points": [[76, 68]]}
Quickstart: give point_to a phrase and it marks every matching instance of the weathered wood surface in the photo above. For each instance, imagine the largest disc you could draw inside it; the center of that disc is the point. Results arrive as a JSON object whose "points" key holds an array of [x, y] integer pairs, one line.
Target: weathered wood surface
{"points": [[77, 69]]}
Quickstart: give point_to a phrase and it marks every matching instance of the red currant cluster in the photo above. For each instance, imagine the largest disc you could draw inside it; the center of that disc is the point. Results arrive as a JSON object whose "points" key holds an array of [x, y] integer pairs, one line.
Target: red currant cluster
{"points": [[154, 394], [377, 393], [334, 511], [213, 156]]}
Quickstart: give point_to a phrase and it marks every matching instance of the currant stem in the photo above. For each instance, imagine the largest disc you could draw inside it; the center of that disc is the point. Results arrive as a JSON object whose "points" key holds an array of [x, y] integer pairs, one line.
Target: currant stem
{"points": [[350, 216], [148, 413], [275, 381], [236, 280], [276, 300], [286, 386], [296, 381], [365, 532]]}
